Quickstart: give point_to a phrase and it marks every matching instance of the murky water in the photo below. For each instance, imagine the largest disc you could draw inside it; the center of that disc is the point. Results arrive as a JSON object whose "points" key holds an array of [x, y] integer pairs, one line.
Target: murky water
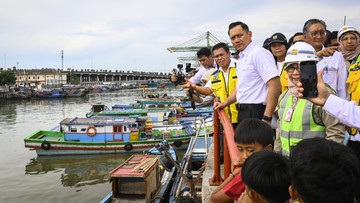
{"points": [[25, 177]]}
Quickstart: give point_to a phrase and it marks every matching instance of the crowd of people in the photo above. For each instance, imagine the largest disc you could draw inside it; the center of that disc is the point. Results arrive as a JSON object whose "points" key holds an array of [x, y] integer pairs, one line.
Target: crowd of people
{"points": [[314, 154]]}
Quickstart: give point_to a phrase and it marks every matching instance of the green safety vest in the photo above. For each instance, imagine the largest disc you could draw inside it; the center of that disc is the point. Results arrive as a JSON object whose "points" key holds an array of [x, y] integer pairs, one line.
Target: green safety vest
{"points": [[218, 86], [301, 126]]}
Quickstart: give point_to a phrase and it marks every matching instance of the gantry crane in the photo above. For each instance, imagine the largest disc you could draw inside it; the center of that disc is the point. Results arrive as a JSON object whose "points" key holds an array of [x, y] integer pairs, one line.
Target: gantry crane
{"points": [[205, 40]]}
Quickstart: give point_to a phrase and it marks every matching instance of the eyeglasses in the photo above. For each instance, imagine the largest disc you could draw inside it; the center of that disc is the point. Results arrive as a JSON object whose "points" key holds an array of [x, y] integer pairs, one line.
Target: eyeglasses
{"points": [[292, 67], [314, 34]]}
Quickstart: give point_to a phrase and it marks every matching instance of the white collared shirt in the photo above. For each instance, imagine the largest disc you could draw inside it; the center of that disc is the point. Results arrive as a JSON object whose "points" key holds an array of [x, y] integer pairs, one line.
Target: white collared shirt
{"points": [[196, 79], [335, 73], [255, 67], [226, 74], [346, 111]]}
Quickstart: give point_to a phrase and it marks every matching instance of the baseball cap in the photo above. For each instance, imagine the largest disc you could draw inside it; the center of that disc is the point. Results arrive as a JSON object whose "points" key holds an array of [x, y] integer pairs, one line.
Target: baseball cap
{"points": [[278, 37], [266, 43]]}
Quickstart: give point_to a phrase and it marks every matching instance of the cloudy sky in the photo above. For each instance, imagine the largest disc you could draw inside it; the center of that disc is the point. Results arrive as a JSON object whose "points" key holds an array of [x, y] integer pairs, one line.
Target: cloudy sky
{"points": [[134, 35]]}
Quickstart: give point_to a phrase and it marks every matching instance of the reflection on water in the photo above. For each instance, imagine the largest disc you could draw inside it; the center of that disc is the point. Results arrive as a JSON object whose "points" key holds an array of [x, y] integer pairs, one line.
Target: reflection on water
{"points": [[76, 171], [57, 178]]}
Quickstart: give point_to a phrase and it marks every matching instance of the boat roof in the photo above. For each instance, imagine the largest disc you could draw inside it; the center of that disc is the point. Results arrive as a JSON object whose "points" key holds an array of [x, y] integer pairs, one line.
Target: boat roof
{"points": [[138, 165], [124, 112], [158, 101], [98, 121]]}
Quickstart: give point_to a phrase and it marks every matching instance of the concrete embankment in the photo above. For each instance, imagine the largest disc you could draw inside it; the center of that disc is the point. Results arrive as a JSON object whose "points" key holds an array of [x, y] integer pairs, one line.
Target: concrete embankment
{"points": [[208, 174]]}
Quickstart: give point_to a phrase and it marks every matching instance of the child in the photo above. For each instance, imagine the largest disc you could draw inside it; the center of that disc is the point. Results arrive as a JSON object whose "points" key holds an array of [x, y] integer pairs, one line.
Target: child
{"points": [[267, 178], [323, 171], [251, 135]]}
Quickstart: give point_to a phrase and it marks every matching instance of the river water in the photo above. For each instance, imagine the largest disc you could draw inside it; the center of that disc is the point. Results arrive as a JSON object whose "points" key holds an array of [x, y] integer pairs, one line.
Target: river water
{"points": [[25, 177]]}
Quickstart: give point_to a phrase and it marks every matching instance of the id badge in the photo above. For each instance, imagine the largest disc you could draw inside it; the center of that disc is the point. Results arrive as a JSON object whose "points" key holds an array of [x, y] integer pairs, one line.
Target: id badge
{"points": [[289, 114]]}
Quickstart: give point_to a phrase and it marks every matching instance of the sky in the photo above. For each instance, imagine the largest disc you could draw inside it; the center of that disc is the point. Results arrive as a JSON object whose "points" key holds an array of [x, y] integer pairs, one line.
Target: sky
{"points": [[135, 35]]}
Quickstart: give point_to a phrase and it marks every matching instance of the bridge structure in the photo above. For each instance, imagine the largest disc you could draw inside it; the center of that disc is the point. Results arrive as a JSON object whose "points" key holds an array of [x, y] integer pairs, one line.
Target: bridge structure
{"points": [[94, 77]]}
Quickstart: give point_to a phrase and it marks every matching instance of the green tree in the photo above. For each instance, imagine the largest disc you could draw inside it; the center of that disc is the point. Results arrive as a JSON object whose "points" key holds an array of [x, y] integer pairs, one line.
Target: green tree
{"points": [[7, 77], [73, 79]]}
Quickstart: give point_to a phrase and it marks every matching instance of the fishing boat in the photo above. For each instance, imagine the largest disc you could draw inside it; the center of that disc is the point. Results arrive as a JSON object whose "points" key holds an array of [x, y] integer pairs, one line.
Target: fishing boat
{"points": [[50, 94], [103, 134], [188, 183], [144, 177], [103, 110], [100, 88], [74, 90]]}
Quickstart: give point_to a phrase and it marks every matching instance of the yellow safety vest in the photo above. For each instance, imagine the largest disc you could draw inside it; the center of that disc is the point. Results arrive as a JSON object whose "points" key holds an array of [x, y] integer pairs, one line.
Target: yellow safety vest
{"points": [[302, 124], [353, 82], [284, 80], [218, 86]]}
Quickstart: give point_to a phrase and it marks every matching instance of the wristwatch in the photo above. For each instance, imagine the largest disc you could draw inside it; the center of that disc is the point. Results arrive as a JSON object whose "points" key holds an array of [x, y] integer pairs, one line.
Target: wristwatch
{"points": [[267, 118]]}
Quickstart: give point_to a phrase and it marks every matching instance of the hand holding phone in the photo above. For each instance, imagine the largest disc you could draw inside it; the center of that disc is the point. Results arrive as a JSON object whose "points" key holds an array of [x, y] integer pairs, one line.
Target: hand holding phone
{"points": [[308, 76]]}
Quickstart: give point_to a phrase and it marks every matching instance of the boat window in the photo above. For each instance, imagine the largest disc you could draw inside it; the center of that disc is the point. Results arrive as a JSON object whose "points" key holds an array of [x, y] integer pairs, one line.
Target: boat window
{"points": [[117, 129], [73, 129], [83, 129], [126, 129]]}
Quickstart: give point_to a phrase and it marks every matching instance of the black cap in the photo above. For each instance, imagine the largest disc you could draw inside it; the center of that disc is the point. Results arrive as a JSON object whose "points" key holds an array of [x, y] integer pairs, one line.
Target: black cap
{"points": [[266, 43], [278, 37]]}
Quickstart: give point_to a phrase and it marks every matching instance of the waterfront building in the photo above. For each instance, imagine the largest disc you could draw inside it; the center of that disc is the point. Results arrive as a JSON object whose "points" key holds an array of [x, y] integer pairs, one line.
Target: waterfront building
{"points": [[38, 78]]}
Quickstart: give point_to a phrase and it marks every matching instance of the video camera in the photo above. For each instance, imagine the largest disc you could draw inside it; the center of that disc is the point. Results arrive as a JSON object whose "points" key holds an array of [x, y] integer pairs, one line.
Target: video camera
{"points": [[188, 67], [180, 75]]}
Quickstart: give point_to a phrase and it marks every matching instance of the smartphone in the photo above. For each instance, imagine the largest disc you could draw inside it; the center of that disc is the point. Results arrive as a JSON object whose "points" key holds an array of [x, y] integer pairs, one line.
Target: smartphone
{"points": [[308, 78]]}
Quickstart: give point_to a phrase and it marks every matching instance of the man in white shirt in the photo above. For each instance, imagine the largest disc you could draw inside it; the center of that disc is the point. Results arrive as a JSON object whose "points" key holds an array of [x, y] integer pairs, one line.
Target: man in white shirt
{"points": [[207, 62], [258, 86], [331, 61]]}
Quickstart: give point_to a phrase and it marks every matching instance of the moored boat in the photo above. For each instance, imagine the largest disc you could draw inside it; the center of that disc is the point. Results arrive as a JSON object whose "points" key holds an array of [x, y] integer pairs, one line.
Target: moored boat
{"points": [[74, 90], [50, 94], [144, 178], [101, 135]]}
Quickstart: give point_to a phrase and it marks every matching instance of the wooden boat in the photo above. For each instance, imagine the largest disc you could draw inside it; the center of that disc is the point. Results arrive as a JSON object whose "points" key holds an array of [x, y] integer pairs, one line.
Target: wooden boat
{"points": [[52, 94], [103, 110], [74, 90], [187, 185], [100, 88], [101, 135], [143, 178]]}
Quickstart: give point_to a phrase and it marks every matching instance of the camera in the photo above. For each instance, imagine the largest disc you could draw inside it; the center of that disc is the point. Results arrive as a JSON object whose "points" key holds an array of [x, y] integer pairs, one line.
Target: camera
{"points": [[179, 74], [188, 67]]}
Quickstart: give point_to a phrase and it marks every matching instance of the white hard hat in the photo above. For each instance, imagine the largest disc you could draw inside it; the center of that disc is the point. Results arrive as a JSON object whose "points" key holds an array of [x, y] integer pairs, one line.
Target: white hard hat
{"points": [[300, 51], [345, 29]]}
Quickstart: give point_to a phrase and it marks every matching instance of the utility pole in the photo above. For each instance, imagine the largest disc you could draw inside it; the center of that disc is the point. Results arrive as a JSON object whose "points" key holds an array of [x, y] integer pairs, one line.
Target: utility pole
{"points": [[62, 65]]}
